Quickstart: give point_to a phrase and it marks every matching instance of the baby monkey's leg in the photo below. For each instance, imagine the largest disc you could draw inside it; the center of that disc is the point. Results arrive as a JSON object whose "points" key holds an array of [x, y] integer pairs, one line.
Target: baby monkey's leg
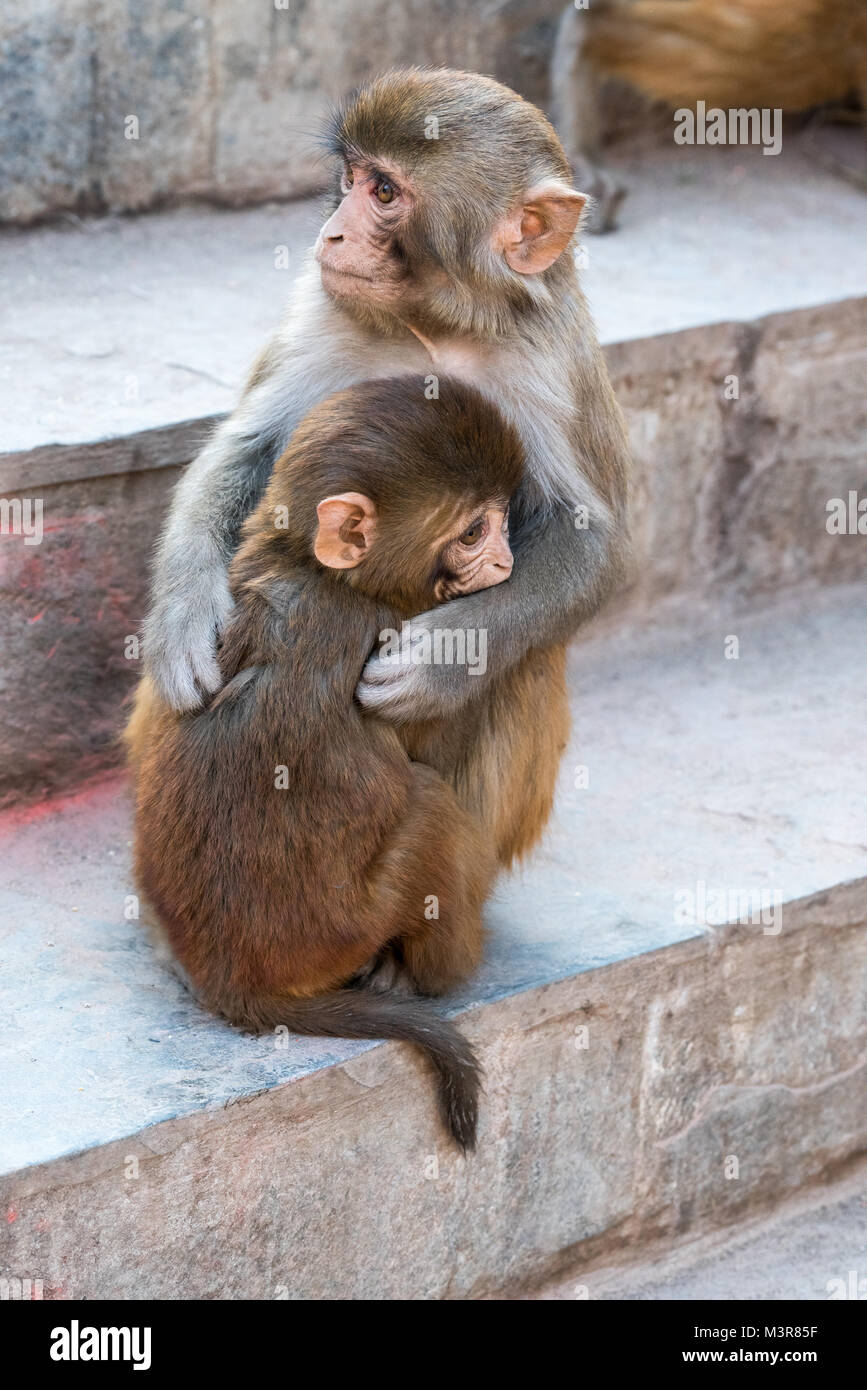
{"points": [[434, 878]]}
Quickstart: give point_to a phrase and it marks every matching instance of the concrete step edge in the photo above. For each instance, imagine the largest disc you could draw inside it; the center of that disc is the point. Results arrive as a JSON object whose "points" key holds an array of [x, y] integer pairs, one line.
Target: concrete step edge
{"points": [[616, 1156]]}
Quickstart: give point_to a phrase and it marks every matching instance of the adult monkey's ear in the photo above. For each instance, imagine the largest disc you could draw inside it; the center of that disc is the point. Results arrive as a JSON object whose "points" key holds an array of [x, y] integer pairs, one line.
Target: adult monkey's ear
{"points": [[347, 523], [538, 230]]}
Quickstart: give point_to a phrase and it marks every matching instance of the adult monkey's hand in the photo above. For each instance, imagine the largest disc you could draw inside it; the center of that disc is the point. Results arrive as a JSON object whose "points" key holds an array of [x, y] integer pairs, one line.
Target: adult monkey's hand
{"points": [[181, 638], [554, 586], [191, 604]]}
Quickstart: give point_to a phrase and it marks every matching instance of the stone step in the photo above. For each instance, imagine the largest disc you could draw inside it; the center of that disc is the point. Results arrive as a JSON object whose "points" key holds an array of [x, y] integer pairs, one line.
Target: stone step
{"points": [[634, 1049], [813, 1248]]}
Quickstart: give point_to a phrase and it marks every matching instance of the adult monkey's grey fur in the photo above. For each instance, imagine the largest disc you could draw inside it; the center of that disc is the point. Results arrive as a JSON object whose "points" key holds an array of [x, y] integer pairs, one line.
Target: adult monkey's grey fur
{"points": [[526, 340]]}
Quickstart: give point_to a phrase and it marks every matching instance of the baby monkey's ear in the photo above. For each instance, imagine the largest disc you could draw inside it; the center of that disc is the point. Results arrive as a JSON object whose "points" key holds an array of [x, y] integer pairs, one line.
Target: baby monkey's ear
{"points": [[347, 524]]}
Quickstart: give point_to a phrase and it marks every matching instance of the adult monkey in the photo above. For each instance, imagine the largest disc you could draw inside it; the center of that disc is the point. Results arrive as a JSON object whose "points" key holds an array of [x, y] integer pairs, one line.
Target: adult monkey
{"points": [[447, 251]]}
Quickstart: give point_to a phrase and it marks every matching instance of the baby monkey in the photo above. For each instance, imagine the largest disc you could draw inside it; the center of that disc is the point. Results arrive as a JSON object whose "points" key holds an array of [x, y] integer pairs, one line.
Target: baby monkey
{"points": [[295, 857]]}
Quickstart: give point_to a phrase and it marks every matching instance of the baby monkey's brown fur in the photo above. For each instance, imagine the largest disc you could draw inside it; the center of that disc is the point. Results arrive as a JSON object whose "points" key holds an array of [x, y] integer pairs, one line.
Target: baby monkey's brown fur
{"points": [[274, 901]]}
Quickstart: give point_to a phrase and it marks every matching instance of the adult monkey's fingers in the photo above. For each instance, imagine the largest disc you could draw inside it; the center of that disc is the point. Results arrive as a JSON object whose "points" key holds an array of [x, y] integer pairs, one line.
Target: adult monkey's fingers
{"points": [[180, 647]]}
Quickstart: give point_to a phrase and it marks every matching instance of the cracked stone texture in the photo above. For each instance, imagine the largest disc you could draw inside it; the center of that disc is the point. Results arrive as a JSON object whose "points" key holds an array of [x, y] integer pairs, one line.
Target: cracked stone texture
{"points": [[229, 95], [260, 1167]]}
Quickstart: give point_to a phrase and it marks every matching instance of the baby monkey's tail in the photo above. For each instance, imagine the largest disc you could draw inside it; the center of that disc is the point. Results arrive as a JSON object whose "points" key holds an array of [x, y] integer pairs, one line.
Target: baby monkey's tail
{"points": [[363, 1013]]}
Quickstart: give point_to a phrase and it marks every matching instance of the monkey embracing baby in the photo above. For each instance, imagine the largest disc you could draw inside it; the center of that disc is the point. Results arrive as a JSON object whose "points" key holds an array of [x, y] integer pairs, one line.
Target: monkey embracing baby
{"points": [[447, 254]]}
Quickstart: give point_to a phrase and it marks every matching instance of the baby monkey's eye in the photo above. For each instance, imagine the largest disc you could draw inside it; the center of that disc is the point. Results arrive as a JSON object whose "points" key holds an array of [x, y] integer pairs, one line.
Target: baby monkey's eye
{"points": [[348, 177], [474, 533], [385, 191]]}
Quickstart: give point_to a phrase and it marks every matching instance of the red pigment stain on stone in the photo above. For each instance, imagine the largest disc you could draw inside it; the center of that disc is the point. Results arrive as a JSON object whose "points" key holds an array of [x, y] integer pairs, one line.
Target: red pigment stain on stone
{"points": [[14, 817], [37, 617], [68, 523], [11, 1215]]}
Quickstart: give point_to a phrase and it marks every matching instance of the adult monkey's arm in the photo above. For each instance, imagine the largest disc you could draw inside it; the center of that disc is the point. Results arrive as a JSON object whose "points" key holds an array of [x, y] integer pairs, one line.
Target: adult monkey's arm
{"points": [[191, 599]]}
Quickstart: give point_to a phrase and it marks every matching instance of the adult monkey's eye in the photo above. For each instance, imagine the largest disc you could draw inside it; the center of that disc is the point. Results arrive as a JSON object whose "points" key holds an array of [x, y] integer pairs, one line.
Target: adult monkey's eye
{"points": [[473, 534], [385, 191], [348, 177]]}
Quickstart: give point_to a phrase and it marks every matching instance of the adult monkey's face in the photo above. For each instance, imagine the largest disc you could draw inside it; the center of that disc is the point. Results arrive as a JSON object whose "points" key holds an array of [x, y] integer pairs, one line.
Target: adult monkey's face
{"points": [[453, 202], [359, 249]]}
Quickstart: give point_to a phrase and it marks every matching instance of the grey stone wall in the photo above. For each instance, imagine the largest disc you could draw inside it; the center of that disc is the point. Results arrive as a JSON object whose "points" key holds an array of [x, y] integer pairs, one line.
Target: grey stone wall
{"points": [[228, 94]]}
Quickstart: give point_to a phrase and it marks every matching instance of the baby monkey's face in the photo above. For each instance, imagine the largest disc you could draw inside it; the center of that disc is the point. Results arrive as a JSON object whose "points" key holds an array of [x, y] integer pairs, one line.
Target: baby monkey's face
{"points": [[417, 553], [478, 557]]}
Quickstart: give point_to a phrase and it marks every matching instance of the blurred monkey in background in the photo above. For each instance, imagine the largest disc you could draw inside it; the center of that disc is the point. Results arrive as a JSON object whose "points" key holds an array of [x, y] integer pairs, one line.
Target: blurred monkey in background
{"points": [[791, 55]]}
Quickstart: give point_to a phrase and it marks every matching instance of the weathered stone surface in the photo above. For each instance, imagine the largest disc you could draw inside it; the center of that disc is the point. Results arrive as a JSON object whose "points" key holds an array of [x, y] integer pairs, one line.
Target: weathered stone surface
{"points": [[808, 447], [811, 1248], [67, 609], [735, 491], [338, 1184], [48, 82], [228, 96]]}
